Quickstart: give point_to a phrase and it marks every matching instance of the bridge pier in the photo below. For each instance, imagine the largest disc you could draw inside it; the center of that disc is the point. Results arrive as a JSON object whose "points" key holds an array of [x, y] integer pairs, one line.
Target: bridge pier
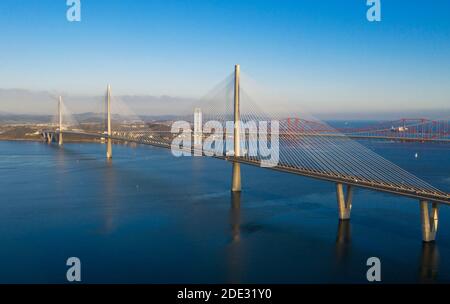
{"points": [[429, 220], [236, 179], [108, 148], [49, 137], [344, 201]]}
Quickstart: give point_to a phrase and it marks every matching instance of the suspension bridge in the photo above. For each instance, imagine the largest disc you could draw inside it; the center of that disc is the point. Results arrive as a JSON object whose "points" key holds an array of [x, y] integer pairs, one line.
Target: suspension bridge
{"points": [[308, 149]]}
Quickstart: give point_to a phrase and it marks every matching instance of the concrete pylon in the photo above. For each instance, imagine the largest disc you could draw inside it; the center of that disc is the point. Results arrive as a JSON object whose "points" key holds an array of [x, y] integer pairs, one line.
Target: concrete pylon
{"points": [[60, 137], [344, 201], [108, 124], [198, 132], [429, 220], [236, 178]]}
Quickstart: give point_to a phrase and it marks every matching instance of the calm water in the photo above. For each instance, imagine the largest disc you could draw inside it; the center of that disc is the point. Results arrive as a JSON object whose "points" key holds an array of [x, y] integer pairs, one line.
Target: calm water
{"points": [[148, 217]]}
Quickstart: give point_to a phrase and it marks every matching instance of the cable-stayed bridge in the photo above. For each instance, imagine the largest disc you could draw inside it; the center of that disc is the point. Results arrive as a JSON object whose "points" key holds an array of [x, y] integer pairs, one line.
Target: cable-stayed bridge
{"points": [[227, 124]]}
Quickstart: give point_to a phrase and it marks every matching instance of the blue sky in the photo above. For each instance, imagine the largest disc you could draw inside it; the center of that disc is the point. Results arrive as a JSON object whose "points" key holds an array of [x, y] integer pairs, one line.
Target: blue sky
{"points": [[324, 55]]}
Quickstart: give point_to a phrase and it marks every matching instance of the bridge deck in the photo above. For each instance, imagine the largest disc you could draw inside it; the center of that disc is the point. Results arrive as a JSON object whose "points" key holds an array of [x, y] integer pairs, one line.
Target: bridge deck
{"points": [[425, 194]]}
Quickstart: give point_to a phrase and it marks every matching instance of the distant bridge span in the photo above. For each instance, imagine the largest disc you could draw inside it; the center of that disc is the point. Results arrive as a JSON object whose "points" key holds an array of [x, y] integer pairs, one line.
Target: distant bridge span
{"points": [[405, 129]]}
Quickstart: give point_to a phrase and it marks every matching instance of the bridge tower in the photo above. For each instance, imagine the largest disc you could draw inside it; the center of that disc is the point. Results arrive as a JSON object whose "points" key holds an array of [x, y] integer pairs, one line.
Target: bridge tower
{"points": [[108, 123], [198, 127], [60, 137], [236, 179]]}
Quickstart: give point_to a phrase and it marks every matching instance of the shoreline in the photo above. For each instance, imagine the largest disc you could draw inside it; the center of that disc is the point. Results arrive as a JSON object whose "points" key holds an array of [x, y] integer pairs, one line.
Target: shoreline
{"points": [[40, 140]]}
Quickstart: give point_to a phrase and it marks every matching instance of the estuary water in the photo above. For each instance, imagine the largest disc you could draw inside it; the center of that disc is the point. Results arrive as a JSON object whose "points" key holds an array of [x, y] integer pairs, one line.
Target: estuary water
{"points": [[148, 217]]}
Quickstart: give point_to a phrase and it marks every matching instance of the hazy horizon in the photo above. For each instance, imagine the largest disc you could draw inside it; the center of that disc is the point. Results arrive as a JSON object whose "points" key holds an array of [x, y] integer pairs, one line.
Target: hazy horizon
{"points": [[12, 101]]}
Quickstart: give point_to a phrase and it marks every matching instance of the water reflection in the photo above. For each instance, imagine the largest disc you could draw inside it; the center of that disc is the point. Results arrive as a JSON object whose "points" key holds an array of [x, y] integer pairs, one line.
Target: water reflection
{"points": [[235, 216], [343, 240], [110, 202], [429, 262], [235, 249]]}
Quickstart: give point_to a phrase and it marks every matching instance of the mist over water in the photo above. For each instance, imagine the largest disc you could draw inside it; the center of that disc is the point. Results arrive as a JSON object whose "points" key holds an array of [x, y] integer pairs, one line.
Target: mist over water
{"points": [[148, 217]]}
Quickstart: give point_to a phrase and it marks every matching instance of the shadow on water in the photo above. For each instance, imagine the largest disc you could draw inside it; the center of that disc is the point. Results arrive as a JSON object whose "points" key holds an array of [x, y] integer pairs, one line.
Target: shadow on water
{"points": [[235, 249], [429, 263]]}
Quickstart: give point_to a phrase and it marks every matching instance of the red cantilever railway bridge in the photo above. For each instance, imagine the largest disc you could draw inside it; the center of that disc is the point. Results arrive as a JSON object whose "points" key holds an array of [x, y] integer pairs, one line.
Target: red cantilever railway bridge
{"points": [[405, 129]]}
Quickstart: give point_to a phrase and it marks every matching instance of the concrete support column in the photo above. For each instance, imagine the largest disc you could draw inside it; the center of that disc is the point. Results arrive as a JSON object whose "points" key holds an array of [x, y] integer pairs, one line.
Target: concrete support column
{"points": [[344, 201], [236, 178], [109, 148], [429, 220], [49, 138]]}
